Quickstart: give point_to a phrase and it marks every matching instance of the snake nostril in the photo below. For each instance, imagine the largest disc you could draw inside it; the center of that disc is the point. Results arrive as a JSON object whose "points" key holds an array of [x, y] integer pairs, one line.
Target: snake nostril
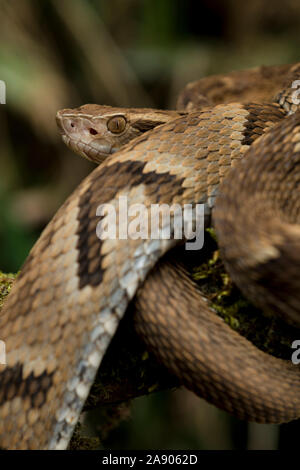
{"points": [[93, 131]]}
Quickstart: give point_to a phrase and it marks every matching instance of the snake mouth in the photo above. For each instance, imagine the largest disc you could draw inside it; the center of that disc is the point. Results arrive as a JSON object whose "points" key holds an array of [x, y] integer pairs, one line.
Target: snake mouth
{"points": [[94, 151]]}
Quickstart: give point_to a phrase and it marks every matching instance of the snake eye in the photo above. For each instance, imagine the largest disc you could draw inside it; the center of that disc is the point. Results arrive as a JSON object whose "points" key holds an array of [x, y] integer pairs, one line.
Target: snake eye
{"points": [[116, 124]]}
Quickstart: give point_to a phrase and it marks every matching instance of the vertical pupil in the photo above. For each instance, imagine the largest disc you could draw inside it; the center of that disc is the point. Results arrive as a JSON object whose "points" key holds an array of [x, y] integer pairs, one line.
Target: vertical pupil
{"points": [[116, 125]]}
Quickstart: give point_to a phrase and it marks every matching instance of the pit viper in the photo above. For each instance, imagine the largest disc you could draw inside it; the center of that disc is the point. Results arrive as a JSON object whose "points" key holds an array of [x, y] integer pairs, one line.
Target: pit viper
{"points": [[75, 287]]}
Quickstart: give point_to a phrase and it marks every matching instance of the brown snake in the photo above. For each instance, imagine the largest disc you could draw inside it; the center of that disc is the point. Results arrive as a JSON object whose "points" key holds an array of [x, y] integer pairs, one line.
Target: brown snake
{"points": [[74, 288]]}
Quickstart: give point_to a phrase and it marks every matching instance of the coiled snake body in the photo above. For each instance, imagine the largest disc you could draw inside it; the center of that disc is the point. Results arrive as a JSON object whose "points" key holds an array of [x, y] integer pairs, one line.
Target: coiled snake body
{"points": [[74, 288]]}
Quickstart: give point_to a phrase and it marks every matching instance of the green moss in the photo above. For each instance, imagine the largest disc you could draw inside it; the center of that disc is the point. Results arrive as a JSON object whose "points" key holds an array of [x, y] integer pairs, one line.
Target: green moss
{"points": [[6, 282], [80, 442], [269, 334]]}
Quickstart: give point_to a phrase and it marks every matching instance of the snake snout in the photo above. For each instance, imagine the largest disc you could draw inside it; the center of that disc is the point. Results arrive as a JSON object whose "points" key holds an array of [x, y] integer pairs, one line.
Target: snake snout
{"points": [[66, 122], [59, 121], [75, 128]]}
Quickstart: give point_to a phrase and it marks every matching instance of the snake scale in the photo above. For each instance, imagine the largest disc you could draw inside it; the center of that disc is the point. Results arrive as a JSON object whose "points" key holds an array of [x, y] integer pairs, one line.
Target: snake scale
{"points": [[74, 288]]}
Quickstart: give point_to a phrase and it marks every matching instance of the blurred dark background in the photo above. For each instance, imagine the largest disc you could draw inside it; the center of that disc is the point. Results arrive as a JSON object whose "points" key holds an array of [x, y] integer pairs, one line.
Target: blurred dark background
{"points": [[64, 53]]}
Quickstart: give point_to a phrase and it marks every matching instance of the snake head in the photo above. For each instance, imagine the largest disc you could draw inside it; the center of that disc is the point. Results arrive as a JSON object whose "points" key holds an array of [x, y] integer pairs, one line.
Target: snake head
{"points": [[95, 132]]}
